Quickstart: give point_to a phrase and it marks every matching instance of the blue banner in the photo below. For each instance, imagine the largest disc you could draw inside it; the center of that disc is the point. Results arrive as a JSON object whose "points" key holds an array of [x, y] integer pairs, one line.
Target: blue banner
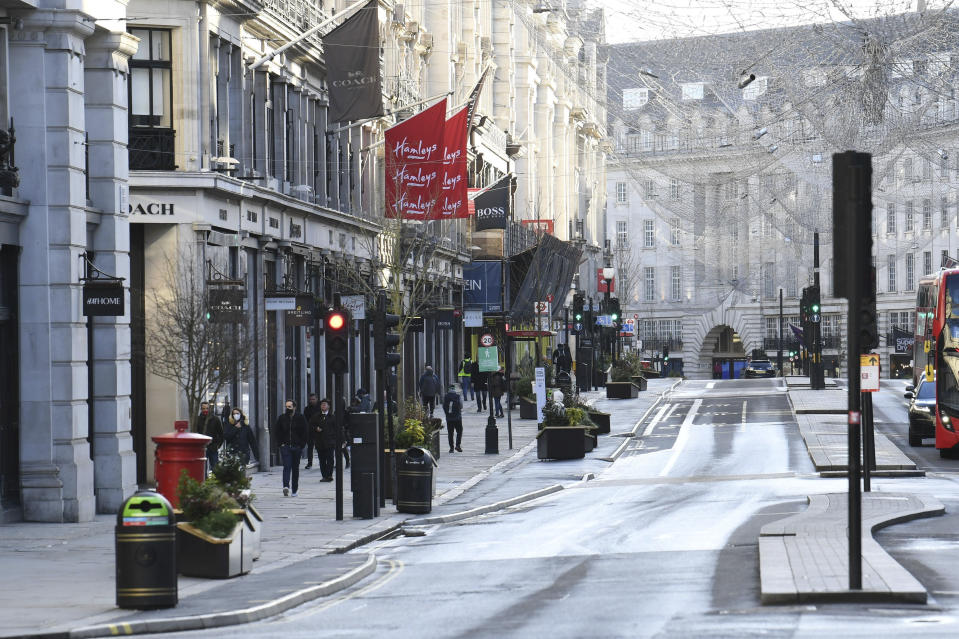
{"points": [[483, 286]]}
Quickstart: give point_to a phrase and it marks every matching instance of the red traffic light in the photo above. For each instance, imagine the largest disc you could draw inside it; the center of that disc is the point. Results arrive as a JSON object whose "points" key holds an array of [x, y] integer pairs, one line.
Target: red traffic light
{"points": [[335, 321]]}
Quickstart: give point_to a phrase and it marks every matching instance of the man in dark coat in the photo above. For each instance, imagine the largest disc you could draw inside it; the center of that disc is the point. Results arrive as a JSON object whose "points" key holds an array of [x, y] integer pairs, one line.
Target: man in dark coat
{"points": [[479, 380], [429, 387], [290, 433], [323, 430], [497, 388], [312, 407], [453, 407], [211, 426]]}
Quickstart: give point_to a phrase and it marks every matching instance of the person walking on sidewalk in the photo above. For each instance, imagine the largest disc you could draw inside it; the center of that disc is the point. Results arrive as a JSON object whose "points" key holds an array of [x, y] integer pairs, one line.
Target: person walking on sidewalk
{"points": [[312, 407], [323, 430], [290, 433], [479, 380], [211, 426], [466, 368], [453, 407], [497, 388], [429, 387], [239, 437]]}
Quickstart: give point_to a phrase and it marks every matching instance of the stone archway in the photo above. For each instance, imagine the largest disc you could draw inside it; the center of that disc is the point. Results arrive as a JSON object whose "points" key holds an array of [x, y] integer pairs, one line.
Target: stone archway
{"points": [[722, 352]]}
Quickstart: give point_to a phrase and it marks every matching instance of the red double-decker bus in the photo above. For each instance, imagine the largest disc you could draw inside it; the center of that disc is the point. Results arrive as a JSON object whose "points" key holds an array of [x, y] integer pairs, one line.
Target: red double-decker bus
{"points": [[944, 352], [926, 297]]}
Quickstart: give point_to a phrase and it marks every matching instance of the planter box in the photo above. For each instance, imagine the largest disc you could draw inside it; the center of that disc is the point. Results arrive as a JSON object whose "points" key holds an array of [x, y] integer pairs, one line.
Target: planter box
{"points": [[561, 442], [589, 442], [621, 390], [200, 555], [527, 409], [640, 381], [434, 444], [601, 420], [251, 535]]}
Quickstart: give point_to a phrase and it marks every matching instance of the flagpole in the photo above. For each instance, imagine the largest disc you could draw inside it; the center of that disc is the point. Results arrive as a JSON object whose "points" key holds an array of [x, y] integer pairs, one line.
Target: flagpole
{"points": [[307, 34]]}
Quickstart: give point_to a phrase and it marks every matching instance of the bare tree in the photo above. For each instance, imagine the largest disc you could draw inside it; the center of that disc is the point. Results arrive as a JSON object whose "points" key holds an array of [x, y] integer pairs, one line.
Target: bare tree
{"points": [[183, 345], [627, 272]]}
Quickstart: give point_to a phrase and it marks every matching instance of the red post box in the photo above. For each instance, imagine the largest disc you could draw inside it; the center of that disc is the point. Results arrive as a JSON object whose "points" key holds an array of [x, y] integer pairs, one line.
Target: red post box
{"points": [[175, 452]]}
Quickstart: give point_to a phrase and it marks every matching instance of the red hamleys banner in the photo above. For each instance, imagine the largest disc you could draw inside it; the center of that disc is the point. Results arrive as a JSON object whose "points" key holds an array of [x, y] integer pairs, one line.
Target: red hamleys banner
{"points": [[414, 165], [452, 202]]}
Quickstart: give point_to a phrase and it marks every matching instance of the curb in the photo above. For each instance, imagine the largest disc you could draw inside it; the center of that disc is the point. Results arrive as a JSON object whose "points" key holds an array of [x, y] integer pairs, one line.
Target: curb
{"points": [[216, 620], [482, 510], [622, 447]]}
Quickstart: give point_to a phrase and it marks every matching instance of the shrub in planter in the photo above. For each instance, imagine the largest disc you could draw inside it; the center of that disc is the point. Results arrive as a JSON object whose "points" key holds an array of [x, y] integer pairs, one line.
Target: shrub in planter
{"points": [[554, 414], [230, 475], [412, 434], [524, 387], [621, 371], [207, 506]]}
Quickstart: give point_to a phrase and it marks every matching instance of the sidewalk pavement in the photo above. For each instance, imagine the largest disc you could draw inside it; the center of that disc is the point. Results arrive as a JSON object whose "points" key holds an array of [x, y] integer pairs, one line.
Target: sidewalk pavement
{"points": [[59, 579], [805, 557]]}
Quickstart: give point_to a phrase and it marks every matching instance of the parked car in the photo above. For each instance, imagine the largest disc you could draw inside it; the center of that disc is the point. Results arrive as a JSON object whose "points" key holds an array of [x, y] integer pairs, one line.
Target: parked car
{"points": [[922, 411], [759, 368]]}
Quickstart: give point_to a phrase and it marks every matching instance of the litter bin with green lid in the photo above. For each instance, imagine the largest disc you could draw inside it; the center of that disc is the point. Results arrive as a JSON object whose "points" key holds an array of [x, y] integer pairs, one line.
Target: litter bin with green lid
{"points": [[146, 552]]}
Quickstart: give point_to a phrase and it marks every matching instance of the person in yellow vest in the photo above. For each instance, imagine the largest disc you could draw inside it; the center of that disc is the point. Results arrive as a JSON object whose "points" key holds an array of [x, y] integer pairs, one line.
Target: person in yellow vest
{"points": [[466, 368]]}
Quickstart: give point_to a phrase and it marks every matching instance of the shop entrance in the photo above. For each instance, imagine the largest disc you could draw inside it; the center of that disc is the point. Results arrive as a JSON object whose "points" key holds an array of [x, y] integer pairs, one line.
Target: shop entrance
{"points": [[9, 381]]}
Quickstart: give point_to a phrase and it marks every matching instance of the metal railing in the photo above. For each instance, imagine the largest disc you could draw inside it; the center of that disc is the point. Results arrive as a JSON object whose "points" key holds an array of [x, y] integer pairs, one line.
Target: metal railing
{"points": [[152, 149]]}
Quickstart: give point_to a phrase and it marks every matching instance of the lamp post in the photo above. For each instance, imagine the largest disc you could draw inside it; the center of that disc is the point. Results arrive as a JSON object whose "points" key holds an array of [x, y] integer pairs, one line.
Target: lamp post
{"points": [[608, 274]]}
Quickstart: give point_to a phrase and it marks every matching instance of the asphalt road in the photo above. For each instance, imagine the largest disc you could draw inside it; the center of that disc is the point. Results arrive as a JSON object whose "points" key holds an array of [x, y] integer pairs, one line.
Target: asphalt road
{"points": [[663, 543]]}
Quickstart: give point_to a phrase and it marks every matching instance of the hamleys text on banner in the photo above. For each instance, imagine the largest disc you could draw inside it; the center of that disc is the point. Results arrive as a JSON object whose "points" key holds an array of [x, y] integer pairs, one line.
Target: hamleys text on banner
{"points": [[414, 165], [452, 202]]}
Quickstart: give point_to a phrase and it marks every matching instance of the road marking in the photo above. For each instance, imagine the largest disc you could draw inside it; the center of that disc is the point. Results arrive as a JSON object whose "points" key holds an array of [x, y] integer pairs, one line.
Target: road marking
{"points": [[682, 438], [710, 385], [395, 568], [655, 420], [672, 409], [743, 427]]}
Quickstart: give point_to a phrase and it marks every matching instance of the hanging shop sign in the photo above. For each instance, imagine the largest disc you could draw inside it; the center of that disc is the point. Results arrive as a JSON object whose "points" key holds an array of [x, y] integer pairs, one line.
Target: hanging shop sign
{"points": [[103, 300], [472, 318], [444, 319], [355, 304], [225, 305], [483, 285], [416, 325], [282, 302], [302, 313]]}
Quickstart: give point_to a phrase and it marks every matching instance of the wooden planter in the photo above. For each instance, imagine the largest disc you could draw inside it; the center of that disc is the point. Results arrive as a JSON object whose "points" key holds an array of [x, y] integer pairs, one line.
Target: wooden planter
{"points": [[561, 442], [251, 535], [621, 390], [589, 441], [200, 555], [527, 408], [601, 420], [640, 381]]}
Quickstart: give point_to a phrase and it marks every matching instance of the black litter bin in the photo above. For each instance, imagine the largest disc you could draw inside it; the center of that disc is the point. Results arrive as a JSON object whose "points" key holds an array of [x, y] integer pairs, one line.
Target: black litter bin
{"points": [[414, 481], [146, 552]]}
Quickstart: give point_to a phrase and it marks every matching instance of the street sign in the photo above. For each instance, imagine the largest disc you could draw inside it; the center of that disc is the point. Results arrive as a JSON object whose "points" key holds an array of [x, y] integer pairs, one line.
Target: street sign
{"points": [[355, 304], [103, 300], [488, 359], [539, 388], [472, 318], [604, 320], [280, 302], [486, 340], [635, 315], [869, 373]]}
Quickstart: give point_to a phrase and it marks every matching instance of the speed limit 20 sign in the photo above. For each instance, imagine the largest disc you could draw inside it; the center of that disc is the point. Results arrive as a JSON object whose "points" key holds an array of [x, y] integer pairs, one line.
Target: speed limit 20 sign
{"points": [[486, 339]]}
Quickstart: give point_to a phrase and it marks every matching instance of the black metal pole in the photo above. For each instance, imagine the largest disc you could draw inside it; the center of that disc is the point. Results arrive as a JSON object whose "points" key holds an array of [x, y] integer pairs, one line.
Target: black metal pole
{"points": [[340, 414], [381, 405], [869, 453], [854, 447], [608, 347], [509, 392], [779, 352]]}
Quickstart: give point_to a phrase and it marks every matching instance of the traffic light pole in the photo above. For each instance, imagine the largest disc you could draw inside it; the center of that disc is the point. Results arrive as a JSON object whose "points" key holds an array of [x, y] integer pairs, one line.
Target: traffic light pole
{"points": [[340, 413], [779, 352]]}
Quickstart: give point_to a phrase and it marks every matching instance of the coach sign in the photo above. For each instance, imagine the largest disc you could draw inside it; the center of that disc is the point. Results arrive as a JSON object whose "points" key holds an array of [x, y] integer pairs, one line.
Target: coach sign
{"points": [[103, 300]]}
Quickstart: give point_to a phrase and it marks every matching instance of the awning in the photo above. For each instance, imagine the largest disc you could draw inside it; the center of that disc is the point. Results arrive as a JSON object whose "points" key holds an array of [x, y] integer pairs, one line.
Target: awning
{"points": [[544, 272]]}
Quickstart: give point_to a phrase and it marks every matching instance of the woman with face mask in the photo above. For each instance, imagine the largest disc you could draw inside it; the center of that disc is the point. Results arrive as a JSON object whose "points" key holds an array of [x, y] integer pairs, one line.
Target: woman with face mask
{"points": [[239, 437]]}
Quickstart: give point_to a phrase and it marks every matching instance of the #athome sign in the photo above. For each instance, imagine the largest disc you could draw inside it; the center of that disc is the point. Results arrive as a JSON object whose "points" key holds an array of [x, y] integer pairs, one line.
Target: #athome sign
{"points": [[103, 300]]}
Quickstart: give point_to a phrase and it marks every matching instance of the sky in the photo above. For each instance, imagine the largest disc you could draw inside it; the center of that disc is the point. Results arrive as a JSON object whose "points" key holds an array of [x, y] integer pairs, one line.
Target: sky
{"points": [[637, 20]]}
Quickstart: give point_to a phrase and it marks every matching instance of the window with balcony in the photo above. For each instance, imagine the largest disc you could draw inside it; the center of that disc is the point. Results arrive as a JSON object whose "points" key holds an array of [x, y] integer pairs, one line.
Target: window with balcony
{"points": [[150, 95]]}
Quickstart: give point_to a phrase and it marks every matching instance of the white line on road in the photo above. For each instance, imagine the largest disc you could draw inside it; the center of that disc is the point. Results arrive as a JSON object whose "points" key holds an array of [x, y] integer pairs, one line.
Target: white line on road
{"points": [[743, 428], [655, 420], [710, 385], [682, 438]]}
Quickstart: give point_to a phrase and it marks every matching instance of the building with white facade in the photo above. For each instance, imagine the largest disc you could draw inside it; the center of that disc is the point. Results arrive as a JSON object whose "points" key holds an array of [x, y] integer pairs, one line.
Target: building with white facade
{"points": [[719, 185]]}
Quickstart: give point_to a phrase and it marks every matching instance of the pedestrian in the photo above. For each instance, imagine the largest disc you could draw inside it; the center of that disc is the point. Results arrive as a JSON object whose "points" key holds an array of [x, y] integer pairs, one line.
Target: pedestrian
{"points": [[211, 426], [497, 388], [364, 400], [239, 438], [466, 366], [479, 379], [323, 431], [312, 406], [290, 433], [429, 387], [565, 359], [453, 407]]}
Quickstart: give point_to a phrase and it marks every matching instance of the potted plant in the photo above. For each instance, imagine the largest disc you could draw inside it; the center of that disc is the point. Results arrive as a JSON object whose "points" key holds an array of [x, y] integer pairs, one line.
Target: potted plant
{"points": [[557, 439], [230, 475], [621, 384], [210, 541], [527, 403], [578, 416]]}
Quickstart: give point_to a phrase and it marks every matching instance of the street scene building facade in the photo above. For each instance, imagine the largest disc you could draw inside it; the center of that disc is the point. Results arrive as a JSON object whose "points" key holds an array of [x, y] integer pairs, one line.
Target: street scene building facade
{"points": [[722, 178], [172, 138]]}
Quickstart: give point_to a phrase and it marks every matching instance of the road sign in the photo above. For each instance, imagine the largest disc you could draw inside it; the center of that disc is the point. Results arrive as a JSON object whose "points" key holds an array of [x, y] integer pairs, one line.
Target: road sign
{"points": [[486, 340], [488, 359], [635, 315], [869, 373]]}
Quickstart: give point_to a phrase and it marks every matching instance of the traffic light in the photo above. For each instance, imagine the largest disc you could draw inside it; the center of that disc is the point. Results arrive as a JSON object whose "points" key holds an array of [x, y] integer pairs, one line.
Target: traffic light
{"points": [[578, 301], [614, 311], [337, 326], [384, 340], [665, 352]]}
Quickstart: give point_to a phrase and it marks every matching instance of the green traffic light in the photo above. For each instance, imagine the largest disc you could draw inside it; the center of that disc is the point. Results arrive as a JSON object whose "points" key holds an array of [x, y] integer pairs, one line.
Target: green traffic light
{"points": [[614, 317], [815, 308], [579, 316]]}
